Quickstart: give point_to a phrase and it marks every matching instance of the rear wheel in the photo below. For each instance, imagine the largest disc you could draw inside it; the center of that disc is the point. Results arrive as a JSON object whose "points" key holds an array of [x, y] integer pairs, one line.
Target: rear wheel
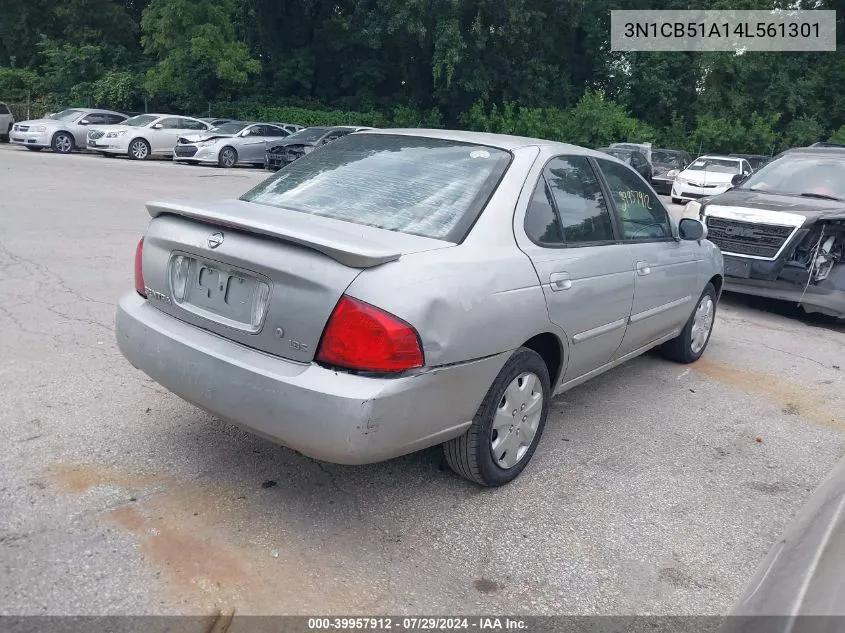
{"points": [[139, 149], [690, 344], [228, 157], [62, 143], [508, 425]]}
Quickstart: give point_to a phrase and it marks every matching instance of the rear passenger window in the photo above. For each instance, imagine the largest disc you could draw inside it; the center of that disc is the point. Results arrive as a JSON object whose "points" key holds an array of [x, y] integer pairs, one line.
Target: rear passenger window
{"points": [[641, 213], [579, 200], [114, 119], [541, 223]]}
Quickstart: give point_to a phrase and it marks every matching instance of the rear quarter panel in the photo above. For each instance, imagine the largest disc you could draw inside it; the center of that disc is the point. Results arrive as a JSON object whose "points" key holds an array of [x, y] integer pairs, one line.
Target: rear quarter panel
{"points": [[478, 298]]}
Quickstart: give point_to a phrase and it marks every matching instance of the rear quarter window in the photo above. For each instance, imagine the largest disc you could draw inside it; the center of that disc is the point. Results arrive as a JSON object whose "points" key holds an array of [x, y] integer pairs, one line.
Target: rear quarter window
{"points": [[430, 187]]}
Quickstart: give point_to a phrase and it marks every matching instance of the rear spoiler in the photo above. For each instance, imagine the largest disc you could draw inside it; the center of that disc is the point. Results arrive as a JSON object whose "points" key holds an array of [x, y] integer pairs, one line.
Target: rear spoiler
{"points": [[344, 242]]}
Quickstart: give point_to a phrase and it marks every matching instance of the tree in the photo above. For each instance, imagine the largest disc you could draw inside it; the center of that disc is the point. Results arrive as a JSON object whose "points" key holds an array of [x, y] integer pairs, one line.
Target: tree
{"points": [[196, 55]]}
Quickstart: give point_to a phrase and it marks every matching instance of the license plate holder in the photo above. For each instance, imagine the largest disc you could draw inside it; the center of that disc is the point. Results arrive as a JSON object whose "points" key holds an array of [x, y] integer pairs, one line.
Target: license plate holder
{"points": [[737, 268], [222, 293]]}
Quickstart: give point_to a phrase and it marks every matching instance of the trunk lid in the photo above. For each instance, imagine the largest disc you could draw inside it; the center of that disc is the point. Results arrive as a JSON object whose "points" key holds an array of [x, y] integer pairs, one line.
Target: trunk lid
{"points": [[265, 277]]}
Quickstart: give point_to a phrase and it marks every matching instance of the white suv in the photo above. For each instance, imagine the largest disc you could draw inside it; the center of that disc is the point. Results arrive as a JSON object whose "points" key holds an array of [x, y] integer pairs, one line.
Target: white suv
{"points": [[6, 121]]}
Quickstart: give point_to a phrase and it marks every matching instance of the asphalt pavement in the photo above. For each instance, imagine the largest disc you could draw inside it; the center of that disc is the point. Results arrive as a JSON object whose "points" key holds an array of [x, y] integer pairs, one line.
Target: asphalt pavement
{"points": [[657, 487]]}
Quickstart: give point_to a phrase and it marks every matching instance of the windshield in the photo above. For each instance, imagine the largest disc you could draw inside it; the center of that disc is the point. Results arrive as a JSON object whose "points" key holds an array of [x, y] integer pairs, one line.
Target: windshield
{"points": [[670, 159], [141, 120], [232, 127], [66, 115], [422, 186], [798, 174], [719, 165], [310, 135]]}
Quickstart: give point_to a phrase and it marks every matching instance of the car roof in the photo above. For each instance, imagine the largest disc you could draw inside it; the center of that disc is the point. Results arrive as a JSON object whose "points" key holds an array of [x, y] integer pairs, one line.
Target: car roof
{"points": [[818, 150], [501, 141], [720, 157]]}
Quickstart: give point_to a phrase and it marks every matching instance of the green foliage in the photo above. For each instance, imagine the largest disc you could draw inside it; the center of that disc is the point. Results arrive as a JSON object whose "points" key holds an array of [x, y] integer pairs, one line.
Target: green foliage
{"points": [[803, 131], [197, 55], [530, 67], [17, 83], [838, 136], [117, 89]]}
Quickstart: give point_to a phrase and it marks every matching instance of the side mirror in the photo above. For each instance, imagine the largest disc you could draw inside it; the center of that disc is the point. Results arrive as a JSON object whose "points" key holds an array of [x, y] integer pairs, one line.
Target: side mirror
{"points": [[157, 126], [737, 179], [84, 122], [691, 229]]}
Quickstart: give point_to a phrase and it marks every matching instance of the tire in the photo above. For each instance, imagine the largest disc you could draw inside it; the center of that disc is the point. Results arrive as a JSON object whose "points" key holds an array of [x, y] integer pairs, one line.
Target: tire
{"points": [[139, 149], [684, 348], [472, 454], [227, 158], [63, 143], [676, 201], [33, 149]]}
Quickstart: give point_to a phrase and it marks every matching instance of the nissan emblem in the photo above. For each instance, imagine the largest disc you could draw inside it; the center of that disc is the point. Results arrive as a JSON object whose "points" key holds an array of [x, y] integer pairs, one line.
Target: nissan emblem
{"points": [[215, 240]]}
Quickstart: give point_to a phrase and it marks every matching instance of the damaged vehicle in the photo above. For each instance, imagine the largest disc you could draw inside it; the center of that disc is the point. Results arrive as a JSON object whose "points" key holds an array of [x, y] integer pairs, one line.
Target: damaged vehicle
{"points": [[231, 144], [281, 153], [401, 289], [782, 230]]}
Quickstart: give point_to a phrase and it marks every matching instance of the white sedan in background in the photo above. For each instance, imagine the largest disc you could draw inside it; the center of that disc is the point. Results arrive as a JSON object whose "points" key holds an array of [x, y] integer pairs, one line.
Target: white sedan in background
{"points": [[144, 135], [708, 176]]}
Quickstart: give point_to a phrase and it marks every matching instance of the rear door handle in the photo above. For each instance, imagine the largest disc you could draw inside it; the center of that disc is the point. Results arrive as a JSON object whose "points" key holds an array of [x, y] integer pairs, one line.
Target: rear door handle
{"points": [[560, 281], [643, 268]]}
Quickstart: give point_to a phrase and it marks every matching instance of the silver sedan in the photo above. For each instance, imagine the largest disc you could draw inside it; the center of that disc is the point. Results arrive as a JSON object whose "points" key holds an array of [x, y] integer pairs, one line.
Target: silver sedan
{"points": [[64, 131], [233, 143], [400, 289]]}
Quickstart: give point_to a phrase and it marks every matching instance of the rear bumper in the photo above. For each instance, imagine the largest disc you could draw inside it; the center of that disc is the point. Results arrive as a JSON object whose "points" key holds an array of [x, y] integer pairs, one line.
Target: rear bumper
{"points": [[325, 414]]}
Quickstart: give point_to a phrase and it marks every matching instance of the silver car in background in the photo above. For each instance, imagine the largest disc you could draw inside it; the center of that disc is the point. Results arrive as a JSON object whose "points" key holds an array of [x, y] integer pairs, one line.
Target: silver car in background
{"points": [[230, 144], [64, 131], [400, 289]]}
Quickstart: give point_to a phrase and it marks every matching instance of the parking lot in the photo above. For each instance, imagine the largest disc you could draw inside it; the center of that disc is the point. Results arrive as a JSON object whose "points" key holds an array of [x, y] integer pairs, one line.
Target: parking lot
{"points": [[657, 488]]}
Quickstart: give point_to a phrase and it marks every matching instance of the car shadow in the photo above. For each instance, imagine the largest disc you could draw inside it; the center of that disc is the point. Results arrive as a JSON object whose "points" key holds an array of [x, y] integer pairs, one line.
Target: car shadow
{"points": [[785, 309]]}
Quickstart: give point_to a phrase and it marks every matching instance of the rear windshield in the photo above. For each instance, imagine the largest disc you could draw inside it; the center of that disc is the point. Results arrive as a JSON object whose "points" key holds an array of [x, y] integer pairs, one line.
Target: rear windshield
{"points": [[421, 186]]}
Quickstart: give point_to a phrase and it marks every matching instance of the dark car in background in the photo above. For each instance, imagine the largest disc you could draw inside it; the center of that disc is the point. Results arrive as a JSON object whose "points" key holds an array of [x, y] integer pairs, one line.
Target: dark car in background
{"points": [[285, 151], [755, 160], [781, 230], [632, 157], [666, 164]]}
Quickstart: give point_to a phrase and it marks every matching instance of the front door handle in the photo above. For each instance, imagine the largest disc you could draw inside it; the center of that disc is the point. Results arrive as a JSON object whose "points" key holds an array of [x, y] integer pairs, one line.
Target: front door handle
{"points": [[560, 281], [643, 268]]}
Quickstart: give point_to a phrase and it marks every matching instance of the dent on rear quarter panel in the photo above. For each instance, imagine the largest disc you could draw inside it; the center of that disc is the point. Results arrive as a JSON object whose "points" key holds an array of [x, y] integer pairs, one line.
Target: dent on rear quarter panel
{"points": [[465, 303]]}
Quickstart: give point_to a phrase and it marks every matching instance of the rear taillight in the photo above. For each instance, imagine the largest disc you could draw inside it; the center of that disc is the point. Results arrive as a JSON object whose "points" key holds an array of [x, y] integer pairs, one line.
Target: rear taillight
{"points": [[363, 337], [140, 287]]}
